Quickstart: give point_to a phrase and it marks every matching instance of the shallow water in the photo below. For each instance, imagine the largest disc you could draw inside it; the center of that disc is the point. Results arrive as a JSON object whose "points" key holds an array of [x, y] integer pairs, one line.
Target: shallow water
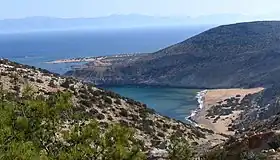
{"points": [[172, 102]]}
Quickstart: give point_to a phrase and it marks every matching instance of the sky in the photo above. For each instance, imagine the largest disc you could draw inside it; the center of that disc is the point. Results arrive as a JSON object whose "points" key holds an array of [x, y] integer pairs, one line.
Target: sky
{"points": [[97, 8]]}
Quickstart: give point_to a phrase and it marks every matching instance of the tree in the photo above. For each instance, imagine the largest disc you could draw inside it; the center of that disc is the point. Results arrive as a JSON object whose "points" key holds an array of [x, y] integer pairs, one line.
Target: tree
{"points": [[179, 148]]}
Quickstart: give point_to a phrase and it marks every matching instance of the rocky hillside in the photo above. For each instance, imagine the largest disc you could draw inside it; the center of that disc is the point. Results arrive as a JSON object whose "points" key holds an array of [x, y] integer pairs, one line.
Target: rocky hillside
{"points": [[107, 107], [237, 55], [257, 129]]}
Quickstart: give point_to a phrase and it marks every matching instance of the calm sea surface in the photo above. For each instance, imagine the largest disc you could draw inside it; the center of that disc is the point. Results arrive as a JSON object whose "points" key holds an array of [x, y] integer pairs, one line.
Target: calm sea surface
{"points": [[36, 48], [173, 102]]}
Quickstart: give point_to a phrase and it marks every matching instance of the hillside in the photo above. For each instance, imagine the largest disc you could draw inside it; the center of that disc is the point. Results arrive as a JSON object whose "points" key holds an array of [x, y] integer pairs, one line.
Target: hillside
{"points": [[236, 55], [256, 128], [93, 104]]}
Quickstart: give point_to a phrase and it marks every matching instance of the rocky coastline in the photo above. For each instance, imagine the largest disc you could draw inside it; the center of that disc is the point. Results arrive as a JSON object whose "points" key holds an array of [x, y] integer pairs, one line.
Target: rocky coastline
{"points": [[200, 101], [218, 108]]}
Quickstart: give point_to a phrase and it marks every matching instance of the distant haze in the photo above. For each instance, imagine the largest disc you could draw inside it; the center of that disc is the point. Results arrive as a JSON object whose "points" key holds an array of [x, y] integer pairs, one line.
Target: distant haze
{"points": [[115, 21], [158, 8]]}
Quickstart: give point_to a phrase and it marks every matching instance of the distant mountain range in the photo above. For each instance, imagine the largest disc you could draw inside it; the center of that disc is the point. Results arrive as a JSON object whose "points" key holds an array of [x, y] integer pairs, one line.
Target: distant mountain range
{"points": [[113, 21]]}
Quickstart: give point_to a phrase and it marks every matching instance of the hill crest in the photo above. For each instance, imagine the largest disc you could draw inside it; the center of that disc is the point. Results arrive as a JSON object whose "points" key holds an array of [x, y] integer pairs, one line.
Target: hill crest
{"points": [[221, 57]]}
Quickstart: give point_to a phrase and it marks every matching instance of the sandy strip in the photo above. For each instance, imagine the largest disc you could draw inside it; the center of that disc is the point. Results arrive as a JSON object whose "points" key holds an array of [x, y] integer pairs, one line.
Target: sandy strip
{"points": [[212, 97], [72, 60]]}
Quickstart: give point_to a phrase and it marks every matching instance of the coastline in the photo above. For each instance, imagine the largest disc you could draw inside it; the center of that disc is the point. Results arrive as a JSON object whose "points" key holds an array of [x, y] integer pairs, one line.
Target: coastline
{"points": [[200, 100], [94, 58], [209, 98]]}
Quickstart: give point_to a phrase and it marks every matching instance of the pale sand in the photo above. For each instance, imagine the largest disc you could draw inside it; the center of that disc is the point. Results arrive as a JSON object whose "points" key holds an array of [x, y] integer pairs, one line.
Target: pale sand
{"points": [[211, 98], [72, 60]]}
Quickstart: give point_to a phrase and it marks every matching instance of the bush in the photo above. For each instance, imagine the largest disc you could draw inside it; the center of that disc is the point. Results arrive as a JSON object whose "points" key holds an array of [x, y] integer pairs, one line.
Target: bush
{"points": [[84, 96], [32, 79], [97, 93], [100, 116], [118, 101], [110, 118], [166, 126], [85, 103], [160, 134], [123, 112], [107, 100], [28, 130], [179, 149], [66, 83], [39, 81]]}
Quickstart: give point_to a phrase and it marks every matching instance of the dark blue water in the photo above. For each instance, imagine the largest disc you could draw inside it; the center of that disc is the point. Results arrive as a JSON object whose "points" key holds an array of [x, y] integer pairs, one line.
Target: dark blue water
{"points": [[173, 102], [40, 47]]}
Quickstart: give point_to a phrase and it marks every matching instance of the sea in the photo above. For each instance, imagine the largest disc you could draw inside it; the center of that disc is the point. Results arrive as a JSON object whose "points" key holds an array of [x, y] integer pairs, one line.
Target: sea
{"points": [[37, 48]]}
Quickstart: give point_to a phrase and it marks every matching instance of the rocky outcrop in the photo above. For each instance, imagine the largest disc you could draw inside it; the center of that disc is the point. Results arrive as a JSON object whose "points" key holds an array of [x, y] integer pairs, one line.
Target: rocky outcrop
{"points": [[264, 145]]}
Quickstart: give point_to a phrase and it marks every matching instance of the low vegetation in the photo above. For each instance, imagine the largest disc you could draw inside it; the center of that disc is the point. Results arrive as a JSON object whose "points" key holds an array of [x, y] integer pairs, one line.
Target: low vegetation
{"points": [[38, 127], [34, 126]]}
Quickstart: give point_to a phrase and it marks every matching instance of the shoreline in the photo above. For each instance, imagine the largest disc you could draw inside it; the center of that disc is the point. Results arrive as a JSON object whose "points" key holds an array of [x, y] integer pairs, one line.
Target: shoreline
{"points": [[209, 98], [92, 58], [200, 100]]}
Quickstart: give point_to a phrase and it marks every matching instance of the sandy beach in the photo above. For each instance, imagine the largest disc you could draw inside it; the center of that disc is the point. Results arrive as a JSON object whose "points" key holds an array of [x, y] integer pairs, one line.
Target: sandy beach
{"points": [[211, 98], [72, 60]]}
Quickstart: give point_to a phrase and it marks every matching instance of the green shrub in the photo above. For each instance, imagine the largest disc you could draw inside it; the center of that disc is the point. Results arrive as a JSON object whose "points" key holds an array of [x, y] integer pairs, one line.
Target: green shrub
{"points": [[179, 149], [28, 128], [39, 81], [107, 100]]}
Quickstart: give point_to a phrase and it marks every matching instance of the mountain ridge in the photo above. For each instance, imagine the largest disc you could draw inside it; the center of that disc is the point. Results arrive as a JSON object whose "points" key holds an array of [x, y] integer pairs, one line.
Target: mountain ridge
{"points": [[222, 57]]}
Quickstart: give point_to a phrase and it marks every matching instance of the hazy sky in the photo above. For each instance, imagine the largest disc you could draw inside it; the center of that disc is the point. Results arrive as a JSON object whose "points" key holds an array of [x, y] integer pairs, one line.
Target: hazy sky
{"points": [[95, 8]]}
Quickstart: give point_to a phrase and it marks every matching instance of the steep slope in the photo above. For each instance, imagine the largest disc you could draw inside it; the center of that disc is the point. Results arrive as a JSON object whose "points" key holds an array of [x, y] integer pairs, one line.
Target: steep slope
{"points": [[237, 55], [257, 129], [106, 107]]}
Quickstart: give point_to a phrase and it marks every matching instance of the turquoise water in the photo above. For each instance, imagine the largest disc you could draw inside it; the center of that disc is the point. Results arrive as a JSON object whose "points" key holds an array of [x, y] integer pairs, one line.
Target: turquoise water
{"points": [[172, 102]]}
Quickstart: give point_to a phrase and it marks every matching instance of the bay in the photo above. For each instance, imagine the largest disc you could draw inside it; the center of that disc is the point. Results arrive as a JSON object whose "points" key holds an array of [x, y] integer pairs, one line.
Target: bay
{"points": [[36, 48], [176, 103]]}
